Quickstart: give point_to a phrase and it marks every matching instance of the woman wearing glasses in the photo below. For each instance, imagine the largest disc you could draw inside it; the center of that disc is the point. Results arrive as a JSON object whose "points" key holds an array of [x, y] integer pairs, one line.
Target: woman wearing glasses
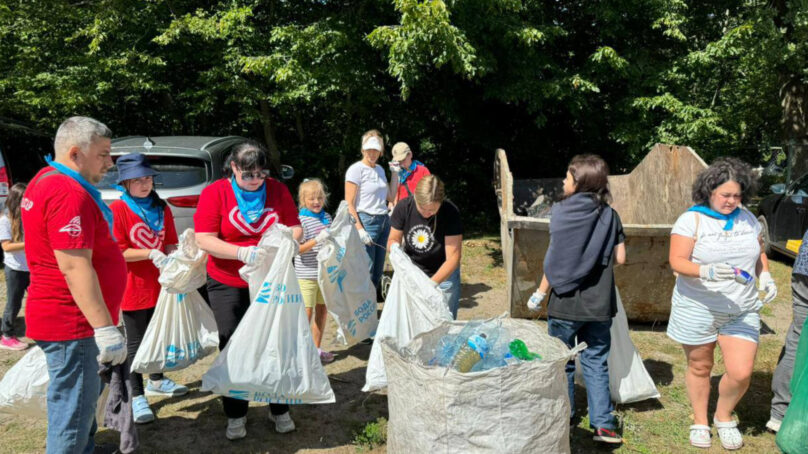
{"points": [[232, 215]]}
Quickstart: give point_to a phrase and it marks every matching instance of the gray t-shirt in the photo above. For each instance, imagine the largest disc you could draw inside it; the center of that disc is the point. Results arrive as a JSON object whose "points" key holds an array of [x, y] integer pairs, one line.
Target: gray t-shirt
{"points": [[14, 260]]}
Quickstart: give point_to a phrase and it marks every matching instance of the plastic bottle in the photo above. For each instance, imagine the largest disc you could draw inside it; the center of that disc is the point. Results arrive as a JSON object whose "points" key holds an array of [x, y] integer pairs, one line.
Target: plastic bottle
{"points": [[742, 277], [470, 353], [519, 350]]}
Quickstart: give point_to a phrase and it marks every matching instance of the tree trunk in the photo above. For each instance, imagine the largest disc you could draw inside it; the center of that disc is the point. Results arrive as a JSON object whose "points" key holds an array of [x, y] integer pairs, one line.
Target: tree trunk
{"points": [[269, 137], [794, 99]]}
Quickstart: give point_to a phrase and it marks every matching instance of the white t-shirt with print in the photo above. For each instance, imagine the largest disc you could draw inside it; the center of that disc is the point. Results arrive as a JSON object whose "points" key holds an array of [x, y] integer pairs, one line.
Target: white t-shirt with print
{"points": [[14, 260], [371, 194], [739, 247]]}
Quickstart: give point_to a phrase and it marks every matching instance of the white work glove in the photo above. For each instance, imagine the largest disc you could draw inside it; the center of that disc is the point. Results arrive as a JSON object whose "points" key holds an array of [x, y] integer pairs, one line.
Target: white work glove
{"points": [[716, 272], [111, 345], [158, 258], [434, 284], [395, 167], [766, 284], [534, 303], [365, 237], [322, 236], [251, 254], [395, 246]]}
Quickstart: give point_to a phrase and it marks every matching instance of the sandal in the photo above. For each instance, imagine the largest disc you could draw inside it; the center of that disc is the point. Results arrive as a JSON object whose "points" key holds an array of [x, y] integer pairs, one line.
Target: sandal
{"points": [[700, 436], [729, 434]]}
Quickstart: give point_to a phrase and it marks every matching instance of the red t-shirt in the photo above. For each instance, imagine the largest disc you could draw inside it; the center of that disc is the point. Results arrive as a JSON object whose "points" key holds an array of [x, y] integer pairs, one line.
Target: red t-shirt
{"points": [[218, 213], [411, 182], [59, 214], [142, 288]]}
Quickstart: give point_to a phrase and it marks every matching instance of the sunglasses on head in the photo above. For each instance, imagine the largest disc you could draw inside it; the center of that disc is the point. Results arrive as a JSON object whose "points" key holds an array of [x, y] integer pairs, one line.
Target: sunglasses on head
{"points": [[260, 174]]}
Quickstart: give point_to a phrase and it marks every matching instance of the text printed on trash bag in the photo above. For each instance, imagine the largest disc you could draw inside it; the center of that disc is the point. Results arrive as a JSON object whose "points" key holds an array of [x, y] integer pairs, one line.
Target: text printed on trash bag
{"points": [[276, 294], [269, 398], [362, 313], [175, 355]]}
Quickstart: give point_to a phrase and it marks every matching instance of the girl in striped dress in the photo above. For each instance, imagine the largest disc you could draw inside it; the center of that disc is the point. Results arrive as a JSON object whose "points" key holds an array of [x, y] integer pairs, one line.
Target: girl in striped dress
{"points": [[311, 200]]}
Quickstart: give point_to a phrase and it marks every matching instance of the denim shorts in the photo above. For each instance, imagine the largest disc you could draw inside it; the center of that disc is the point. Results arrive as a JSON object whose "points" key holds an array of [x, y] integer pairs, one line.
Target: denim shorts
{"points": [[692, 323]]}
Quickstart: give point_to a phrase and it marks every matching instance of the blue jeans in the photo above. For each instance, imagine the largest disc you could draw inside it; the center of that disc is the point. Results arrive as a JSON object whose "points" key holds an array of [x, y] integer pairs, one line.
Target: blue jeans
{"points": [[451, 288], [378, 227], [598, 339], [72, 395]]}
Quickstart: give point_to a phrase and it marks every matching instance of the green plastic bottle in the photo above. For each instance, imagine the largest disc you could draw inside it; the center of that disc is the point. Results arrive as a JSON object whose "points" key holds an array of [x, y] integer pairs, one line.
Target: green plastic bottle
{"points": [[519, 350]]}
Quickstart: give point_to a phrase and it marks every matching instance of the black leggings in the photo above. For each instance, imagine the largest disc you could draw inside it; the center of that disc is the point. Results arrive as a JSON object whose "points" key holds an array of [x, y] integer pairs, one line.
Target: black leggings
{"points": [[229, 305], [135, 324]]}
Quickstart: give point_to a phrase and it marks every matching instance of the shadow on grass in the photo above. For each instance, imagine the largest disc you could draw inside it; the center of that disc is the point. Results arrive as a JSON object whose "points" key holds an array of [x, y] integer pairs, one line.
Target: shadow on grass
{"points": [[496, 255], [766, 329], [468, 293], [753, 409], [660, 371]]}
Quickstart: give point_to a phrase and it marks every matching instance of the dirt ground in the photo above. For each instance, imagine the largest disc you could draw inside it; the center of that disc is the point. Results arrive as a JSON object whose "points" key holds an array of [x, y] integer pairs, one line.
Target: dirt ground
{"points": [[196, 423]]}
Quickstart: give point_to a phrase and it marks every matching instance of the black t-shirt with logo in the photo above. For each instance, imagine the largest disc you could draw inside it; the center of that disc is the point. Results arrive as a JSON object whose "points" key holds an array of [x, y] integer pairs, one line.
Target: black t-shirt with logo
{"points": [[425, 238]]}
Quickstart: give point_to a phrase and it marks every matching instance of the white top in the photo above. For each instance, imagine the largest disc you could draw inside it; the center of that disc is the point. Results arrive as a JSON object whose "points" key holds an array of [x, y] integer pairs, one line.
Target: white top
{"points": [[14, 260], [739, 247], [371, 193]]}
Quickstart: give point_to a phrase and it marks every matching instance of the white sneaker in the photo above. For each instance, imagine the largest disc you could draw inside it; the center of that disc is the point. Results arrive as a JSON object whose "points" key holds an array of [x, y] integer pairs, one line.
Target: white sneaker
{"points": [[283, 423], [236, 428], [774, 425]]}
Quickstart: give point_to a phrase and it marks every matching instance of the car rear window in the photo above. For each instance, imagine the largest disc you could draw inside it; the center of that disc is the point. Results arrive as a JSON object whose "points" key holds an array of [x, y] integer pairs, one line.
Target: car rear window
{"points": [[175, 172]]}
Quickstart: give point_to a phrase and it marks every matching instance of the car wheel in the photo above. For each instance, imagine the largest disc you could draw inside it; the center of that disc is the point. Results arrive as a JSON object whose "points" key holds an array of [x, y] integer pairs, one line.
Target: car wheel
{"points": [[767, 245]]}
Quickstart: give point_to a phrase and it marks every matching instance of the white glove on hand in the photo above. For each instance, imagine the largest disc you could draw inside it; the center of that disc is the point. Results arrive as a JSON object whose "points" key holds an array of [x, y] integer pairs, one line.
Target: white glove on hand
{"points": [[716, 272], [395, 167], [111, 345], [434, 284], [766, 284], [534, 303], [251, 254], [158, 258], [365, 237], [395, 246], [322, 236]]}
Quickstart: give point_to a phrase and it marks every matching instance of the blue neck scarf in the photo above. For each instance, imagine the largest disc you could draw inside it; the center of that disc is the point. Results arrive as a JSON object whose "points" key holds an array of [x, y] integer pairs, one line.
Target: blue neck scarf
{"points": [[402, 176], [94, 193], [321, 215], [145, 208], [730, 218], [250, 203]]}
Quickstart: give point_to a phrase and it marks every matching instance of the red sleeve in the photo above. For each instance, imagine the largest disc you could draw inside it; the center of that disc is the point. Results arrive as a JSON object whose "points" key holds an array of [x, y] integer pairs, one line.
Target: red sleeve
{"points": [[71, 219], [207, 218], [119, 226], [171, 229], [287, 208]]}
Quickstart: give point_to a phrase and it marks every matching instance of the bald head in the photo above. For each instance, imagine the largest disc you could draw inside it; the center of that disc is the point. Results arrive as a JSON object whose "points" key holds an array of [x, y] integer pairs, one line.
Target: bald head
{"points": [[78, 132]]}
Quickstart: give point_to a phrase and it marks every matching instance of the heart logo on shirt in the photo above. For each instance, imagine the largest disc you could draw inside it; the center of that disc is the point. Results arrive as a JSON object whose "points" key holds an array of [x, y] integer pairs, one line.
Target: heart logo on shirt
{"points": [[143, 237], [248, 229]]}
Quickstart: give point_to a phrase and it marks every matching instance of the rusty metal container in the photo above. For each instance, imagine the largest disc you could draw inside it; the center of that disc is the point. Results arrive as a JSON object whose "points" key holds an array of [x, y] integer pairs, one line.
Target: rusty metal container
{"points": [[649, 199]]}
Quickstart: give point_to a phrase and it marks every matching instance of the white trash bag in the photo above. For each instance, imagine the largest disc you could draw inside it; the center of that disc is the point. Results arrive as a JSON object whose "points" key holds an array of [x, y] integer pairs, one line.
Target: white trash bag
{"points": [[271, 356], [345, 281], [182, 330], [413, 306], [628, 379]]}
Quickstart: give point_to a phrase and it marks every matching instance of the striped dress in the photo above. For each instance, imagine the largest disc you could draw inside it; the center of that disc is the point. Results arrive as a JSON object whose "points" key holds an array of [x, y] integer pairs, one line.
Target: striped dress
{"points": [[306, 263]]}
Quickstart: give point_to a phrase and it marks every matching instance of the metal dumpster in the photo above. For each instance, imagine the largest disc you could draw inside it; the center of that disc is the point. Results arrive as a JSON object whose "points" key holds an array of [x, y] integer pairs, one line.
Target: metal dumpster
{"points": [[649, 199]]}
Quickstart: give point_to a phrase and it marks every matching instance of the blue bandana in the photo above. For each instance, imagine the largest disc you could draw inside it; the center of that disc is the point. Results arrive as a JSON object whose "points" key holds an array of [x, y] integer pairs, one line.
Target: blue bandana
{"points": [[94, 193], [321, 215], [402, 176], [730, 218], [145, 208], [250, 203]]}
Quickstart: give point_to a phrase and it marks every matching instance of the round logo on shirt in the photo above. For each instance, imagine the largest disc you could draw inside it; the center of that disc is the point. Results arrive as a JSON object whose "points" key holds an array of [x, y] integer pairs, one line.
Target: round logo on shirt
{"points": [[420, 238], [241, 224], [143, 237]]}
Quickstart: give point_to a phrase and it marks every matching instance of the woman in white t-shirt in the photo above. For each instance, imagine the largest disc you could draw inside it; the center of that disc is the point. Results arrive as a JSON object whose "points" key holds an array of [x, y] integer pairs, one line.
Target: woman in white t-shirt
{"points": [[712, 244], [368, 194], [12, 238]]}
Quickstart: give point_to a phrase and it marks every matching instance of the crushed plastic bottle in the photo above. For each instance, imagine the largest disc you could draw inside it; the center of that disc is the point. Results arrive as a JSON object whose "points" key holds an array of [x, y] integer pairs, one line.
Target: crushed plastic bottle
{"points": [[519, 350], [475, 348]]}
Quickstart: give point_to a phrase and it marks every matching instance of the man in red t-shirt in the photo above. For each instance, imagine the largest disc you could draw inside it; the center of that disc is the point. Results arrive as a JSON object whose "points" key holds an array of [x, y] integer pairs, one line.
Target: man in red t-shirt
{"points": [[407, 170], [77, 279]]}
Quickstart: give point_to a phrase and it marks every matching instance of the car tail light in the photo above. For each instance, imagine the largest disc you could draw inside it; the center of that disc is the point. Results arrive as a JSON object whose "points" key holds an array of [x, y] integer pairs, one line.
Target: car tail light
{"points": [[4, 180], [186, 201]]}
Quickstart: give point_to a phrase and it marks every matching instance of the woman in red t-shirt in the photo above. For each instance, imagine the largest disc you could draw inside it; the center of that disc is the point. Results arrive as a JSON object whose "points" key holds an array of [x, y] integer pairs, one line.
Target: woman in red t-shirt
{"points": [[145, 232], [232, 215]]}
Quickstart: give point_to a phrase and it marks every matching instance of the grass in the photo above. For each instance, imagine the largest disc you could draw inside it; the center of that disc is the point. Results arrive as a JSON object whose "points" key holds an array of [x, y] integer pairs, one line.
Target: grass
{"points": [[357, 421]]}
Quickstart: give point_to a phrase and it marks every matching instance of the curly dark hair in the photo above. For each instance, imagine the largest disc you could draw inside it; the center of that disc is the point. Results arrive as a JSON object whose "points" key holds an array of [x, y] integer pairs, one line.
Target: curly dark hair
{"points": [[721, 171]]}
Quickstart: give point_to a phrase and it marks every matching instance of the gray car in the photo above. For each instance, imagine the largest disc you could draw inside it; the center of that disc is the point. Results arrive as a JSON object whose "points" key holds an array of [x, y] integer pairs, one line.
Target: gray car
{"points": [[187, 164]]}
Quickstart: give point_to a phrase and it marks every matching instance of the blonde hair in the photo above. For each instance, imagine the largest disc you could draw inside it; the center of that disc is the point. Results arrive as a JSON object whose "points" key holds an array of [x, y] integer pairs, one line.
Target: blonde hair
{"points": [[311, 186], [369, 134], [429, 190]]}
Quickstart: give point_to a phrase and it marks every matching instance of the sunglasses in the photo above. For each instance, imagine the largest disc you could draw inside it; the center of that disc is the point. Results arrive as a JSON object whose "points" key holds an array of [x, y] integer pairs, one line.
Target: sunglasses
{"points": [[259, 174]]}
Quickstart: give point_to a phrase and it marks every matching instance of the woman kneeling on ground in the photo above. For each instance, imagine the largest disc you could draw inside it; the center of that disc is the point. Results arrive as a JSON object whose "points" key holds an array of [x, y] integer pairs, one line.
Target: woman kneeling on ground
{"points": [[429, 228], [713, 245], [586, 238], [145, 232], [233, 214]]}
